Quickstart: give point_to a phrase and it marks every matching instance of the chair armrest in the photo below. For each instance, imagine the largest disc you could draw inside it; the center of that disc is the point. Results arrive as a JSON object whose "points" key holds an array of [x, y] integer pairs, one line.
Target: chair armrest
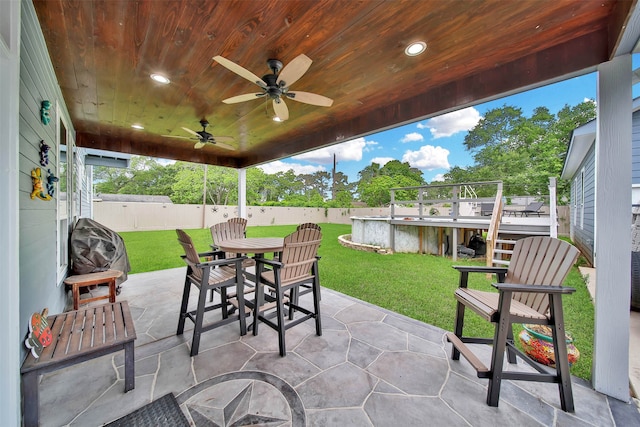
{"points": [[466, 269], [272, 263], [541, 289], [223, 261], [480, 269], [213, 253]]}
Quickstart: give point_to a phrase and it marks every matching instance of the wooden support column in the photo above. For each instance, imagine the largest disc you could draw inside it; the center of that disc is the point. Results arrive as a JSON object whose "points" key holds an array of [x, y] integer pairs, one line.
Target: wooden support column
{"points": [[613, 228]]}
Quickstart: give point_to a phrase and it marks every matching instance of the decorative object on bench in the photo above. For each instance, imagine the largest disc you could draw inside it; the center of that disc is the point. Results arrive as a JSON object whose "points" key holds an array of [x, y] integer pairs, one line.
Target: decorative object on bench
{"points": [[213, 275], [78, 336], [96, 248], [108, 277], [530, 291], [298, 264], [39, 335], [537, 343]]}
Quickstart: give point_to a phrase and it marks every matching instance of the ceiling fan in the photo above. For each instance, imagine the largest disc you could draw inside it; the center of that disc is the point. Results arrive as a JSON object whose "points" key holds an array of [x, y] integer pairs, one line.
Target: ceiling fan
{"points": [[203, 137], [276, 85]]}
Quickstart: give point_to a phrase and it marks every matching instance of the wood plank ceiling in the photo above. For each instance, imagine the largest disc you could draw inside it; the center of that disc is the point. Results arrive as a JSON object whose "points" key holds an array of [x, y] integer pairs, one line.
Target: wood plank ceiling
{"points": [[103, 53]]}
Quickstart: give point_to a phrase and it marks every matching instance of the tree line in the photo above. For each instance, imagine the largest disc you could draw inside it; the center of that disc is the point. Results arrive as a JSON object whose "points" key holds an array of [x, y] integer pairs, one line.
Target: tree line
{"points": [[521, 151]]}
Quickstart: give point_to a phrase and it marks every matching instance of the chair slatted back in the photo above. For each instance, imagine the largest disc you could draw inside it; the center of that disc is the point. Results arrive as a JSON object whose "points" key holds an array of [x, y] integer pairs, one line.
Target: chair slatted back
{"points": [[240, 221], [540, 261], [534, 206], [227, 231], [309, 225], [299, 254], [191, 255]]}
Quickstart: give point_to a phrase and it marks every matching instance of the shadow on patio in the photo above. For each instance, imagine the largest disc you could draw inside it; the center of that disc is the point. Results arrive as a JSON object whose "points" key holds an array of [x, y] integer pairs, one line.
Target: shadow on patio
{"points": [[370, 367]]}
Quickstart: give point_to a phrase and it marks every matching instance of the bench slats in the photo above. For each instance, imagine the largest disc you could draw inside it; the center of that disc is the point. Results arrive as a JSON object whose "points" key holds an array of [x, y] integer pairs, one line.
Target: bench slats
{"points": [[88, 330]]}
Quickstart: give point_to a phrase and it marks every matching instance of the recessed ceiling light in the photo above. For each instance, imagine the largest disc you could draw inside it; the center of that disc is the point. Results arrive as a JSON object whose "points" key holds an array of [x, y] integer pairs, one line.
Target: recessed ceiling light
{"points": [[277, 119], [140, 127], [160, 79], [415, 48]]}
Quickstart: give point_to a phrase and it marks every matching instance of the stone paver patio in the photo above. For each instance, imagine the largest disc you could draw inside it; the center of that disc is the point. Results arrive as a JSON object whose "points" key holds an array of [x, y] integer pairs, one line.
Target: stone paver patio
{"points": [[371, 367]]}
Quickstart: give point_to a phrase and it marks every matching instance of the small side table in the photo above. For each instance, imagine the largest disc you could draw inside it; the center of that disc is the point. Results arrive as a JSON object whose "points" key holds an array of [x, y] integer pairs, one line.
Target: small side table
{"points": [[83, 280]]}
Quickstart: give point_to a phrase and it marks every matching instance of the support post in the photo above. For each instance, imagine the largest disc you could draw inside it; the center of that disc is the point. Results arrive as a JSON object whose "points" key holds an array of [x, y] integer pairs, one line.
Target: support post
{"points": [[613, 228], [242, 193]]}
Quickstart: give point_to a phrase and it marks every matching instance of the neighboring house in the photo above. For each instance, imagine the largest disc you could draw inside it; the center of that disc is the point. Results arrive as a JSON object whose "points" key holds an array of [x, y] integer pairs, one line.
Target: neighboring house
{"points": [[579, 168]]}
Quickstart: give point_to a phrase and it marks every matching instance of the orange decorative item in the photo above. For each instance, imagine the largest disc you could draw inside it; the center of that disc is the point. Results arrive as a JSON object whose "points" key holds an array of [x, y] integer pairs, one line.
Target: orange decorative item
{"points": [[537, 343], [39, 333]]}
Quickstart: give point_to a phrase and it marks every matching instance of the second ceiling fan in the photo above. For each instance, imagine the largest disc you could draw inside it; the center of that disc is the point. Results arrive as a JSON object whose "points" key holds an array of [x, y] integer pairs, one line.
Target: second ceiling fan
{"points": [[276, 85]]}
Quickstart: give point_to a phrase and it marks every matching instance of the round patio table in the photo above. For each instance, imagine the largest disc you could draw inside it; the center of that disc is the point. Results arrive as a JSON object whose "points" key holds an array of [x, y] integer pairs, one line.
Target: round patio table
{"points": [[252, 245]]}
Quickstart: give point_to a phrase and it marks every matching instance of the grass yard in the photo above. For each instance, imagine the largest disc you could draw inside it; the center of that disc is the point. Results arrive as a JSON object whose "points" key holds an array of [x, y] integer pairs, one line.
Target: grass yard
{"points": [[417, 286]]}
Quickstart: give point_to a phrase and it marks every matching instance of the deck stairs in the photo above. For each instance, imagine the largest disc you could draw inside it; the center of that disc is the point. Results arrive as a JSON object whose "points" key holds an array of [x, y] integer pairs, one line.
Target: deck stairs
{"points": [[507, 236]]}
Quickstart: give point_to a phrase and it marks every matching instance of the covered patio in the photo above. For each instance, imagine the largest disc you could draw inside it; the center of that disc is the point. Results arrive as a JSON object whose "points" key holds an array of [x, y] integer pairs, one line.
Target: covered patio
{"points": [[370, 367], [91, 62]]}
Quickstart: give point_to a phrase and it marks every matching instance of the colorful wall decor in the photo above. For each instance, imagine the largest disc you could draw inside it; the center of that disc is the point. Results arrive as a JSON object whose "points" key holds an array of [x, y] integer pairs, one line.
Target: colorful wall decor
{"points": [[38, 188], [44, 153], [51, 182], [44, 112]]}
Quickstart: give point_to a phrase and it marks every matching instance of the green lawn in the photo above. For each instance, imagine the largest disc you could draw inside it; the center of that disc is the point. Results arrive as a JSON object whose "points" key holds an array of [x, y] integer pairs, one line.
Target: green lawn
{"points": [[418, 286]]}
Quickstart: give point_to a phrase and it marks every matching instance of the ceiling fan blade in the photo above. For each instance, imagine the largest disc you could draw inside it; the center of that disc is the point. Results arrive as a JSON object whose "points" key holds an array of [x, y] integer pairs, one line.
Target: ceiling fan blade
{"points": [[179, 137], [310, 98], [281, 109], [294, 70], [241, 71], [192, 132], [225, 146], [223, 138], [199, 145], [242, 98]]}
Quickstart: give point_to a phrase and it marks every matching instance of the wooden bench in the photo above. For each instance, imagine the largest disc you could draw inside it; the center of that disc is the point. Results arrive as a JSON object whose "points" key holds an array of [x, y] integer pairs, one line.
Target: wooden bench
{"points": [[78, 336], [83, 280]]}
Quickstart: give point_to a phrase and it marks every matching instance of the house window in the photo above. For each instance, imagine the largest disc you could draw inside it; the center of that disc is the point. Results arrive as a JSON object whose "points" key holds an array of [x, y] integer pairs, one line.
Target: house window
{"points": [[64, 195]]}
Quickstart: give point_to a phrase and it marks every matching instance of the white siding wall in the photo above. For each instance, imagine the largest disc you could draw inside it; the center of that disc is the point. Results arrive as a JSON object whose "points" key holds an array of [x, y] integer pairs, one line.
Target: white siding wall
{"points": [[38, 263]]}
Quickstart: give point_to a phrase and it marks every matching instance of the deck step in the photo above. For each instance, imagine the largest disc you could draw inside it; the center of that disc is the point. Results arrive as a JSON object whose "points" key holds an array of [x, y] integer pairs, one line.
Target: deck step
{"points": [[501, 262], [477, 364], [506, 241], [503, 251]]}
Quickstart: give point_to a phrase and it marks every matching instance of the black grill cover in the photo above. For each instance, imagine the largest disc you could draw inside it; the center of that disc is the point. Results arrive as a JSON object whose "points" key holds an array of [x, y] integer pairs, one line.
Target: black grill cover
{"points": [[96, 248]]}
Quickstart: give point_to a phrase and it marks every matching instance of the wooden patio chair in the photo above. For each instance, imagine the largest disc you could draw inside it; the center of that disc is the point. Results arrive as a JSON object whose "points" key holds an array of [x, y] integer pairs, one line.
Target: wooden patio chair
{"points": [[229, 230], [532, 209], [529, 291], [297, 265], [304, 288], [207, 273], [241, 221]]}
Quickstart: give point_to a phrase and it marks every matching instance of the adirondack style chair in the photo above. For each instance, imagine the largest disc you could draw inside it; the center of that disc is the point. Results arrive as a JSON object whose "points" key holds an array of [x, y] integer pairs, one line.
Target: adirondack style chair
{"points": [[241, 221], [207, 273], [232, 229], [297, 265], [529, 291]]}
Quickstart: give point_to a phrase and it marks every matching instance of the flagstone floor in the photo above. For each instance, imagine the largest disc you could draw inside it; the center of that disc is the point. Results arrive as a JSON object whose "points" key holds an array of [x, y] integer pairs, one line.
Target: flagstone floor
{"points": [[370, 367]]}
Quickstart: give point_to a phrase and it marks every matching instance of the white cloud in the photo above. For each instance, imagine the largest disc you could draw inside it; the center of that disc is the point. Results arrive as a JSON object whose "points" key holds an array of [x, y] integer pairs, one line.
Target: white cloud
{"points": [[452, 123], [438, 178], [345, 152], [382, 160], [279, 166], [428, 157], [412, 137]]}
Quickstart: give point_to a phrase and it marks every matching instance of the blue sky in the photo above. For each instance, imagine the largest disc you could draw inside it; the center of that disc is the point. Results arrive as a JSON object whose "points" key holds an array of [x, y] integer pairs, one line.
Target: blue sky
{"points": [[435, 145]]}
